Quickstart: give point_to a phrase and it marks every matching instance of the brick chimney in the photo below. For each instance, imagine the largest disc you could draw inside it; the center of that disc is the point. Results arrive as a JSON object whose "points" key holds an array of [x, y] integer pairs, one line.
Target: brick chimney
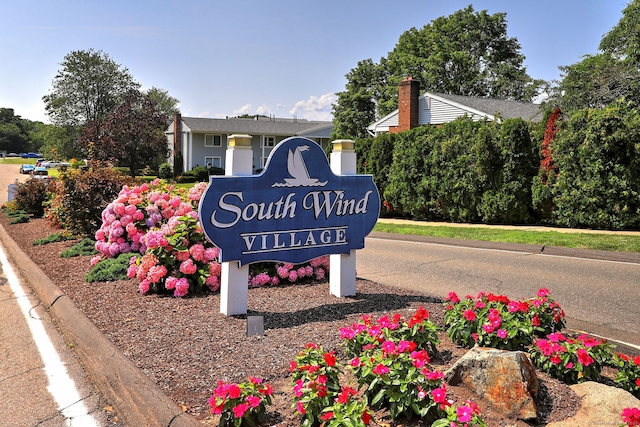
{"points": [[408, 114]]}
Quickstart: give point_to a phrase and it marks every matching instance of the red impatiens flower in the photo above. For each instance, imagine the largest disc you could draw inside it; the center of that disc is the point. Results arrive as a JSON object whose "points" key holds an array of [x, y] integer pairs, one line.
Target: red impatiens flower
{"points": [[469, 315], [584, 357], [380, 369], [329, 358], [239, 410], [345, 393], [365, 417], [419, 316], [326, 416]]}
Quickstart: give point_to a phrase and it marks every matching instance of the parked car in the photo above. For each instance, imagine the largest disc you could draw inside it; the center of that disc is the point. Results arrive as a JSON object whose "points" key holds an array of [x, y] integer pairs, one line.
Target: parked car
{"points": [[54, 164], [26, 168], [13, 155], [30, 155], [40, 172]]}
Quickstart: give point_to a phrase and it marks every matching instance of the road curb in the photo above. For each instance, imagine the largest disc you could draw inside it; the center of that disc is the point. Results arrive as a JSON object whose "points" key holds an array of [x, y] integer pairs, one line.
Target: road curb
{"points": [[138, 400], [630, 257]]}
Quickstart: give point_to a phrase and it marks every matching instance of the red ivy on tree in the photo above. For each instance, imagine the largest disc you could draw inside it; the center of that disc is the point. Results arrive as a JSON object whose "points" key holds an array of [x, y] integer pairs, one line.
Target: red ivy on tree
{"points": [[546, 163]]}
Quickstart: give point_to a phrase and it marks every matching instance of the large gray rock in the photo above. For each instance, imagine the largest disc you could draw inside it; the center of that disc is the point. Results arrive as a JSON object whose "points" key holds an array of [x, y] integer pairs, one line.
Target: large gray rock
{"points": [[601, 406], [507, 379]]}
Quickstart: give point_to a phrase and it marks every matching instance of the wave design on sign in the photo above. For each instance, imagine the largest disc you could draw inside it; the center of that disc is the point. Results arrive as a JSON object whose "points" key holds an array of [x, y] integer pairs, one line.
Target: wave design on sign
{"points": [[298, 171]]}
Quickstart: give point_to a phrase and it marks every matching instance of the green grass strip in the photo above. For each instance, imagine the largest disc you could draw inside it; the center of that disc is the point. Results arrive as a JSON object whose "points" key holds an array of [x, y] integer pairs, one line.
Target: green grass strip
{"points": [[608, 242]]}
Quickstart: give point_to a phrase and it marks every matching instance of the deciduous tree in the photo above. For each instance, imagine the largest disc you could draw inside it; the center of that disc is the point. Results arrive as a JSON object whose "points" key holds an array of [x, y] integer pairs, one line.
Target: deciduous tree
{"points": [[466, 53], [88, 86], [132, 135]]}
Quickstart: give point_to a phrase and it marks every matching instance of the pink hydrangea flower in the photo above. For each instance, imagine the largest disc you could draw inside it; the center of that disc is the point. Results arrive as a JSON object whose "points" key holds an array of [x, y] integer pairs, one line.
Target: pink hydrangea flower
{"points": [[182, 287], [188, 267]]}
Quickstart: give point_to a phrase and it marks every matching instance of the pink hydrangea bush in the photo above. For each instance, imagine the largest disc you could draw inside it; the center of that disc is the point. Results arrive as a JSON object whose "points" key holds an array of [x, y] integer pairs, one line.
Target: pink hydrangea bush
{"points": [[268, 273], [160, 223], [177, 259]]}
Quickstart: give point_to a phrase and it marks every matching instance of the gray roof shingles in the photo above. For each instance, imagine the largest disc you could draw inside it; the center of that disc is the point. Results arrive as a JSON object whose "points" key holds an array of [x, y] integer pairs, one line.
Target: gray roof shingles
{"points": [[264, 126], [506, 109]]}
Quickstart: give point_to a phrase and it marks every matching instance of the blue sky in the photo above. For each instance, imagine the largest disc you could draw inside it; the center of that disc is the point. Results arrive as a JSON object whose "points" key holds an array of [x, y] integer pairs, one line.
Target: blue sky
{"points": [[279, 57]]}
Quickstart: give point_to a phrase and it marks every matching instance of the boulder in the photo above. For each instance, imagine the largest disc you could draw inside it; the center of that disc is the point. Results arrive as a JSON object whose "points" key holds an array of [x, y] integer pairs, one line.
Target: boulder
{"points": [[507, 379], [602, 405]]}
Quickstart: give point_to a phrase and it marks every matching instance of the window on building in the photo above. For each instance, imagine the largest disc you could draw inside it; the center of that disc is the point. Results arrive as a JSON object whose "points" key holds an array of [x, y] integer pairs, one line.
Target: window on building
{"points": [[211, 140], [213, 161], [268, 141]]}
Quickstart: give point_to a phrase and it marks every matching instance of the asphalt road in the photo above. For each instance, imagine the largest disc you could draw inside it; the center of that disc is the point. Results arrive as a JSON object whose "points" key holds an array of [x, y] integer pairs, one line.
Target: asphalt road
{"points": [[599, 296], [41, 381]]}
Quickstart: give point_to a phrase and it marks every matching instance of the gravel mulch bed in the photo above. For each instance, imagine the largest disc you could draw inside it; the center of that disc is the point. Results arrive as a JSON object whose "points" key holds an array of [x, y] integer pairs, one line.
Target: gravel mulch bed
{"points": [[186, 345]]}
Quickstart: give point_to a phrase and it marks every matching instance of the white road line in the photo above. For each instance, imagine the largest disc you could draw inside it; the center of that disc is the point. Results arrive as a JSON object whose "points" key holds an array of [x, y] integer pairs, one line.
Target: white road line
{"points": [[61, 386]]}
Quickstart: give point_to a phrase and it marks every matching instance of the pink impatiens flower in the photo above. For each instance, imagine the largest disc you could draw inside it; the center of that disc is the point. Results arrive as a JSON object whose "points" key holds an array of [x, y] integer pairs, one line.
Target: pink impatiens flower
{"points": [[239, 410], [380, 369], [464, 414]]}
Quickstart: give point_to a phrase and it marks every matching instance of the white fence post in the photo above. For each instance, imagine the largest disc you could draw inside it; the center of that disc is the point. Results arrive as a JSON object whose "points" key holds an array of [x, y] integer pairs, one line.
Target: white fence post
{"points": [[342, 267], [234, 280]]}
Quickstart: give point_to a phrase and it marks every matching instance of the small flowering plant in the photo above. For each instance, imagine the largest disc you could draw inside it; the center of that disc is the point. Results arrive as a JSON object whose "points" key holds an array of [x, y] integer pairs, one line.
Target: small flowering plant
{"points": [[467, 415], [314, 374], [630, 417], [241, 405], [398, 377], [572, 360], [367, 333], [347, 410], [491, 320], [628, 376]]}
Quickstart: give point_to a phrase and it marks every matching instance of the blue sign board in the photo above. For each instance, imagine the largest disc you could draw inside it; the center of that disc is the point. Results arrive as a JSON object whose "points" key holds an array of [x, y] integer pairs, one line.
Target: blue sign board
{"points": [[297, 209]]}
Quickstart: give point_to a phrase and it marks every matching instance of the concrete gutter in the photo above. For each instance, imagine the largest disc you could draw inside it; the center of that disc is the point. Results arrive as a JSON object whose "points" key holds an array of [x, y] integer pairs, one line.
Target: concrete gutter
{"points": [[138, 400]]}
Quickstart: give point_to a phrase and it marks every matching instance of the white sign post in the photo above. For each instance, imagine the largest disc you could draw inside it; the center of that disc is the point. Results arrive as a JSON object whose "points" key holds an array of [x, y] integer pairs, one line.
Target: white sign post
{"points": [[342, 267], [234, 280]]}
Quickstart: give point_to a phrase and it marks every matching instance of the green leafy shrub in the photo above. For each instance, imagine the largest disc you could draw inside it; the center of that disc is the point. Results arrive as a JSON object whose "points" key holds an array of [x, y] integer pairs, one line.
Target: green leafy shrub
{"points": [[33, 194], [598, 160], [110, 269], [214, 170], [198, 174], [509, 201], [83, 196], [379, 160], [84, 247], [51, 238], [165, 171]]}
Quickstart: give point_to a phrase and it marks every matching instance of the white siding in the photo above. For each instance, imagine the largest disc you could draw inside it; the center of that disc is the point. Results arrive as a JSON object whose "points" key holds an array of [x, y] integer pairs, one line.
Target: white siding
{"points": [[445, 113], [391, 120], [424, 113]]}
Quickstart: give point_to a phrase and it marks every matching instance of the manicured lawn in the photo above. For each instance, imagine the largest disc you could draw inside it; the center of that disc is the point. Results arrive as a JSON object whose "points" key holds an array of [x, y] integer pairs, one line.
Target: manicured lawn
{"points": [[610, 242]]}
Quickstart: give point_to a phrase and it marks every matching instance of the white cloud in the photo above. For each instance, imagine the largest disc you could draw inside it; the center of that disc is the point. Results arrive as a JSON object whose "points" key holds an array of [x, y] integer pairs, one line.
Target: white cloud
{"points": [[315, 108], [245, 109], [264, 110]]}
